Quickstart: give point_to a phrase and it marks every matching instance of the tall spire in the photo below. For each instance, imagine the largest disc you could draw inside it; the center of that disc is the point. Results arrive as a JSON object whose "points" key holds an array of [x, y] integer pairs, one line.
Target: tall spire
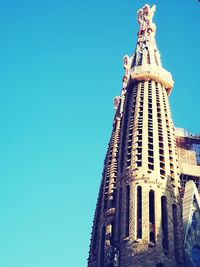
{"points": [[137, 220]]}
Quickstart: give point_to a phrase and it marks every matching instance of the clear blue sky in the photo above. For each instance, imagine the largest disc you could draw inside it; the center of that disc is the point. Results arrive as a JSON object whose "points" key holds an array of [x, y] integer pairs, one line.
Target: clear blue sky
{"points": [[60, 67]]}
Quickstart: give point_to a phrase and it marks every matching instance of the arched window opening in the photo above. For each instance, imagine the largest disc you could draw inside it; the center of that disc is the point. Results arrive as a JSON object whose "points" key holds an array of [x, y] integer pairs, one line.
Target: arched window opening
{"points": [[174, 212], [159, 265], [102, 247], [127, 210], [164, 222], [139, 212], [152, 217]]}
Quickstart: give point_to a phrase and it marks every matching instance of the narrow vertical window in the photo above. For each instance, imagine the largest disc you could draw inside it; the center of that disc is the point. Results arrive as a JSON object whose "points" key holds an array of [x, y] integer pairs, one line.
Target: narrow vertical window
{"points": [[140, 59], [164, 222], [151, 216], [102, 248], [139, 212], [127, 210], [174, 212], [148, 57]]}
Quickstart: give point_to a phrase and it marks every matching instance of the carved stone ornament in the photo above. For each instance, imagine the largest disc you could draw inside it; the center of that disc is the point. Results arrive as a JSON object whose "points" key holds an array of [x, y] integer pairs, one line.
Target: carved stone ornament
{"points": [[116, 102], [127, 62], [127, 66], [147, 28], [145, 16]]}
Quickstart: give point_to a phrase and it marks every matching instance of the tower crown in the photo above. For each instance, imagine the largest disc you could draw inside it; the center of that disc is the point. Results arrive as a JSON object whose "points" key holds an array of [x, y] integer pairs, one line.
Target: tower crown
{"points": [[146, 64]]}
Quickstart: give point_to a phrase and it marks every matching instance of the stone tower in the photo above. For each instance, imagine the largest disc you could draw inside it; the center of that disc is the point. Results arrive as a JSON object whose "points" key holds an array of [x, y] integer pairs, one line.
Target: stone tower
{"points": [[137, 221]]}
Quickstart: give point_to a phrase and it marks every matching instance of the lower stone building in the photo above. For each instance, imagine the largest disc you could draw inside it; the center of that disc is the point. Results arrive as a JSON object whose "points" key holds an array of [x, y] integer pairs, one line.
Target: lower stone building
{"points": [[188, 146], [191, 223]]}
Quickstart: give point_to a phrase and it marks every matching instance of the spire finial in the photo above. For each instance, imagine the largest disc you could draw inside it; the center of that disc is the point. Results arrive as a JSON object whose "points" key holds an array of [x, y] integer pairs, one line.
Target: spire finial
{"points": [[147, 27], [145, 16]]}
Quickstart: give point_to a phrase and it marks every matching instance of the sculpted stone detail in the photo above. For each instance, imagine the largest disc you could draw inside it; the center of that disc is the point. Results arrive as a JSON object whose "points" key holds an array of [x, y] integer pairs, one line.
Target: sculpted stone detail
{"points": [[145, 15], [127, 65], [116, 102], [146, 33]]}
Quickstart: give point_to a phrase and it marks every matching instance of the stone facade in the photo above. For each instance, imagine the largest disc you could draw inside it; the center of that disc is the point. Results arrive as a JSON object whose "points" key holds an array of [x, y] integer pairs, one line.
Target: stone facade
{"points": [[189, 157], [138, 220], [191, 223]]}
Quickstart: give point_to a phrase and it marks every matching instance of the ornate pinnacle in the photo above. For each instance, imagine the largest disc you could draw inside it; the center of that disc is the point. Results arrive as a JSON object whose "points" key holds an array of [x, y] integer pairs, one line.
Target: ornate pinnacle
{"points": [[145, 16], [147, 28]]}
